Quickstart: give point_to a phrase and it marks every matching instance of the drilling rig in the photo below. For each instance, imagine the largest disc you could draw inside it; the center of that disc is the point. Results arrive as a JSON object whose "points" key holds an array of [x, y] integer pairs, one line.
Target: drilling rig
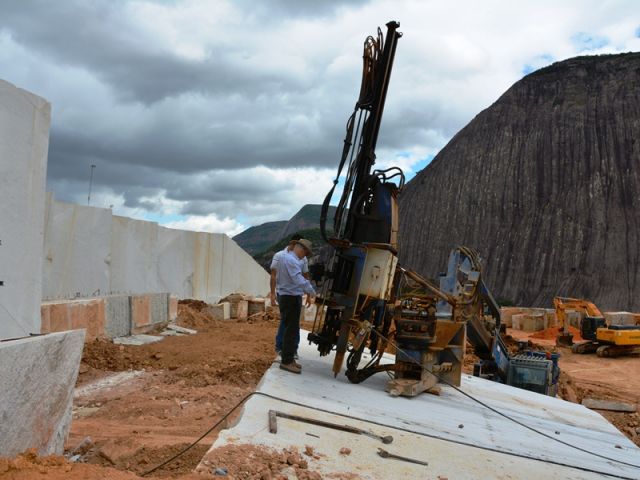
{"points": [[369, 301]]}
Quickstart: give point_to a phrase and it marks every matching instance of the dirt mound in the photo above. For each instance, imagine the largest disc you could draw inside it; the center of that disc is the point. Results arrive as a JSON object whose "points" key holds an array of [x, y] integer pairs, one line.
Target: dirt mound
{"points": [[193, 304], [552, 332], [253, 462], [192, 314], [28, 466], [272, 314]]}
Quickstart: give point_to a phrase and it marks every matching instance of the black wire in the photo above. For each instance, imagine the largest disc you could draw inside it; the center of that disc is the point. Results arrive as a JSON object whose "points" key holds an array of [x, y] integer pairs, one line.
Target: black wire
{"points": [[373, 422], [504, 415], [182, 452]]}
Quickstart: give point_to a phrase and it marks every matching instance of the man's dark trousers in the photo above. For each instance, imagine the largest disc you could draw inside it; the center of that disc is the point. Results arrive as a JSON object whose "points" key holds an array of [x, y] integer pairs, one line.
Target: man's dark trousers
{"points": [[290, 307]]}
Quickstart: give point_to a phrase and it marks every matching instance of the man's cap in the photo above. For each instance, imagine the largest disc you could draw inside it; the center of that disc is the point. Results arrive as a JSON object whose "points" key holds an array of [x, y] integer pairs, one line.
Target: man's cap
{"points": [[306, 244]]}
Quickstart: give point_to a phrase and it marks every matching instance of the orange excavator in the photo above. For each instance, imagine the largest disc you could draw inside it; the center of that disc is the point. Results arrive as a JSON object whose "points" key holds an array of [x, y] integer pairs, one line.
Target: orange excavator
{"points": [[605, 340]]}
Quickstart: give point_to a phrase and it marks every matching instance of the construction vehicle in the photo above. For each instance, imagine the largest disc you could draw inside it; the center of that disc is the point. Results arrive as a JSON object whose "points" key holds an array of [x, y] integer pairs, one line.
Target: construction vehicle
{"points": [[605, 340], [368, 300]]}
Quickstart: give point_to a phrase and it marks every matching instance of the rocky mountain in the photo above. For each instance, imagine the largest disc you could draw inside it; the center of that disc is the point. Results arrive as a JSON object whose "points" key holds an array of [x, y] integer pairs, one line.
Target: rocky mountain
{"points": [[258, 239], [545, 184], [308, 217]]}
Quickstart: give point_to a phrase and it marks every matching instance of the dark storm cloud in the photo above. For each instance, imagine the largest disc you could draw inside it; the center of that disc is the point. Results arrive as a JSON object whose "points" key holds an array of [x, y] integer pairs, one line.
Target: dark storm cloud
{"points": [[236, 106], [97, 35], [180, 103]]}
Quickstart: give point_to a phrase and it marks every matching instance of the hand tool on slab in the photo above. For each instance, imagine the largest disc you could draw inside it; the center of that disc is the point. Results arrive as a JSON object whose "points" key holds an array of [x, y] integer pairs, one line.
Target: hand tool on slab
{"points": [[273, 425], [384, 454]]}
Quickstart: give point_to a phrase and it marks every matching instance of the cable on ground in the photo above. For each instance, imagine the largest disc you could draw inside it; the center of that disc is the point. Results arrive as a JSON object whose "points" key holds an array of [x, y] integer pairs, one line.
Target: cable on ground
{"points": [[504, 415], [189, 447], [414, 432]]}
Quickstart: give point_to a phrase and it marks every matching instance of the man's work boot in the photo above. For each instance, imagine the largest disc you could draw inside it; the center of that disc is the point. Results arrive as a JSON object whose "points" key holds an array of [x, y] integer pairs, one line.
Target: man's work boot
{"points": [[292, 367]]}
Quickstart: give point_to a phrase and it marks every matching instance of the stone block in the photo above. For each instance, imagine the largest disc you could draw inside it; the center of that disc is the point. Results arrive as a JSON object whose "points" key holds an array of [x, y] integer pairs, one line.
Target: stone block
{"points": [[140, 313], [507, 313], [173, 308], [240, 309], [117, 316], [219, 311], [88, 314], [257, 305], [24, 143], [45, 318], [35, 412], [516, 321], [534, 322], [620, 318], [59, 319], [159, 307], [529, 322]]}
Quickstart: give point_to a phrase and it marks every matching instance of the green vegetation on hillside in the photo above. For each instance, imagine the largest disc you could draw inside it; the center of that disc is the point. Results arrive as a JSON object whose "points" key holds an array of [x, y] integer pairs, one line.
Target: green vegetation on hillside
{"points": [[311, 234]]}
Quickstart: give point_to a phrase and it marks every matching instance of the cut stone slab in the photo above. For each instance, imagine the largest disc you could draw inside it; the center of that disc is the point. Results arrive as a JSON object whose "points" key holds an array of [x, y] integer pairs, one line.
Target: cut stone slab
{"points": [[528, 322], [240, 309], [173, 308], [159, 307], [621, 318], [179, 329], [38, 376], [613, 406], [220, 311], [427, 427], [24, 143], [140, 339], [257, 305], [171, 333], [107, 383], [117, 316]]}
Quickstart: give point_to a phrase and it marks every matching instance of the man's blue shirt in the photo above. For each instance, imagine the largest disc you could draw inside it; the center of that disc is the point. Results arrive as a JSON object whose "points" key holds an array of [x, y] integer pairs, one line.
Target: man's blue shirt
{"points": [[290, 278]]}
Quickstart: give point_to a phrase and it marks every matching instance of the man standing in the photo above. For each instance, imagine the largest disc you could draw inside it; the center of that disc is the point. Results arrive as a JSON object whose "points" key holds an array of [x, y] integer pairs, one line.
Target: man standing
{"points": [[275, 290], [292, 285]]}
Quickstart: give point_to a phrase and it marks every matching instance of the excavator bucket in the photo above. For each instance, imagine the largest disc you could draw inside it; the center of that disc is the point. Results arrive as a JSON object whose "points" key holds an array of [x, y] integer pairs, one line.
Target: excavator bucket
{"points": [[564, 340]]}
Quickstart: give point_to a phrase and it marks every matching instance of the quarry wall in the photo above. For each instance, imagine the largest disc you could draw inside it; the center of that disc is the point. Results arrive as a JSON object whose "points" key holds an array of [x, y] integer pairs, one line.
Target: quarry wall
{"points": [[52, 250], [24, 143], [90, 252]]}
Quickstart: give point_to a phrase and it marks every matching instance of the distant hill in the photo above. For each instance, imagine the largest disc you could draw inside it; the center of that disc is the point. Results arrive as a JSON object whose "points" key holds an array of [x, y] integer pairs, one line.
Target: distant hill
{"points": [[312, 234], [308, 217], [256, 240]]}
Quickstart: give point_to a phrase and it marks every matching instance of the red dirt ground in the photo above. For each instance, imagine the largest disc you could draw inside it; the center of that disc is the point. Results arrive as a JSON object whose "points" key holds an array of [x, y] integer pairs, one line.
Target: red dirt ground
{"points": [[185, 384]]}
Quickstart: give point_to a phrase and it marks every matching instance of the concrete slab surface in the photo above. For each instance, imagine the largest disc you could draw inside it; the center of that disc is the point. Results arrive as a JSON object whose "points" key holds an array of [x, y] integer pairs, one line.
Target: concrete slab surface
{"points": [[140, 339], [459, 438], [37, 378]]}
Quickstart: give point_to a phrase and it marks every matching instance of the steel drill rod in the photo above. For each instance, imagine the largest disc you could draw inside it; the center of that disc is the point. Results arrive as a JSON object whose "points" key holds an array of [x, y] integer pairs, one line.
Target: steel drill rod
{"points": [[384, 454], [344, 428]]}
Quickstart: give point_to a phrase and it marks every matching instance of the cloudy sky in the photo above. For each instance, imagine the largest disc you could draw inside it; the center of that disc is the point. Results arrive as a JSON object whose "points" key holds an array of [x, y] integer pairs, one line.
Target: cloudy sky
{"points": [[217, 115]]}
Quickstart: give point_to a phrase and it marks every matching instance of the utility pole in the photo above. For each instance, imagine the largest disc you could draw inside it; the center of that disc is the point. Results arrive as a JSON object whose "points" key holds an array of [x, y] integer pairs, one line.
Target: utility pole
{"points": [[93, 167]]}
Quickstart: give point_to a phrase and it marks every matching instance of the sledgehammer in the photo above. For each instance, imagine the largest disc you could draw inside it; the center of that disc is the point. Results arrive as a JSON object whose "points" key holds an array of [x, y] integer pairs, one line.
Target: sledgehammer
{"points": [[273, 425]]}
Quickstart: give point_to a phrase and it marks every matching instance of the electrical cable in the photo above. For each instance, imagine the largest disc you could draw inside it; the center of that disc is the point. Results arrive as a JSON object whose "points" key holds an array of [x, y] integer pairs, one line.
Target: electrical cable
{"points": [[502, 414], [379, 424], [193, 444]]}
